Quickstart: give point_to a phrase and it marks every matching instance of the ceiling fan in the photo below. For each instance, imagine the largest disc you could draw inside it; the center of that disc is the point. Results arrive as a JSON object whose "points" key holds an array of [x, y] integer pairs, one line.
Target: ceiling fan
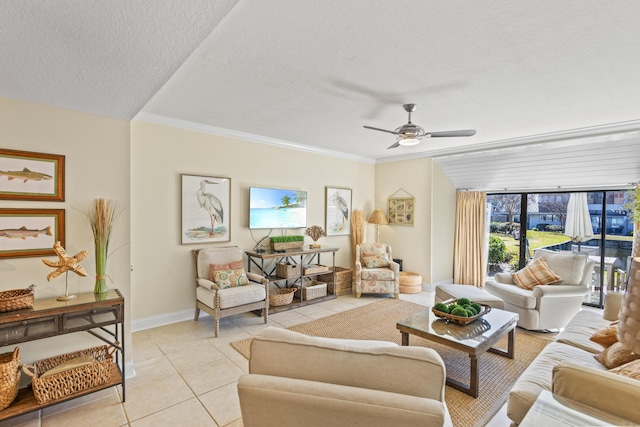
{"points": [[411, 134]]}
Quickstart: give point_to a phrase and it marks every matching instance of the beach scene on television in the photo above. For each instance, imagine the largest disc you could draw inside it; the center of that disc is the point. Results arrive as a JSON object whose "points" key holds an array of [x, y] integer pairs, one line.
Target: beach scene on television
{"points": [[277, 208]]}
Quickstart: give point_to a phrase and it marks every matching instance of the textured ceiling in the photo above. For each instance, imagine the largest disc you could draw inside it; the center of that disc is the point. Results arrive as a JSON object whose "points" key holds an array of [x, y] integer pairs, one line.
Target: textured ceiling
{"points": [[311, 74]]}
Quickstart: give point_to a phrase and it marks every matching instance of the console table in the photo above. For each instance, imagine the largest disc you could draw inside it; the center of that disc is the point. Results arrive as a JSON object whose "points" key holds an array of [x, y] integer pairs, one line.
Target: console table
{"points": [[101, 316], [295, 256]]}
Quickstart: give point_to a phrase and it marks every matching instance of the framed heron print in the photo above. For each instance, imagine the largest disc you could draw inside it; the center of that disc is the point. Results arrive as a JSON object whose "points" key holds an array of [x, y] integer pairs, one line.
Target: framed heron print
{"points": [[338, 211], [31, 176], [30, 232], [205, 209]]}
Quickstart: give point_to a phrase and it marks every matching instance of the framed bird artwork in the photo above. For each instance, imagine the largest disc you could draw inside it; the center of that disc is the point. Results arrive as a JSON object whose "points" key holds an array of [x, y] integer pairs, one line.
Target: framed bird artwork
{"points": [[338, 211], [205, 209]]}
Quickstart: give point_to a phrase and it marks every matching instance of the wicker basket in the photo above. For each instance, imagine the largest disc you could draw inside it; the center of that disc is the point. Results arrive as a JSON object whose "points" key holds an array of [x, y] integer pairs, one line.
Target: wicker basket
{"points": [[16, 299], [312, 290], [9, 377], [71, 381], [287, 271], [315, 268], [278, 297], [459, 319], [343, 281]]}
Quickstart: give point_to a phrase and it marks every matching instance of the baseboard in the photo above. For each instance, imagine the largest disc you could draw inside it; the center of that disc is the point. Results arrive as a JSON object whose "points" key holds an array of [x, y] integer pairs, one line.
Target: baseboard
{"points": [[163, 319], [129, 370]]}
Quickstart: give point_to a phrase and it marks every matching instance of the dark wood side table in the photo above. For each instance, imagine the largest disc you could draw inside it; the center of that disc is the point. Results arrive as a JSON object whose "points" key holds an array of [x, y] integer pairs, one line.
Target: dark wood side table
{"points": [[101, 316]]}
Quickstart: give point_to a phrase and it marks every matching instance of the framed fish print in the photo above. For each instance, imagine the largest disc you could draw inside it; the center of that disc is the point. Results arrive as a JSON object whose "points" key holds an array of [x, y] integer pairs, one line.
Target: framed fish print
{"points": [[337, 211], [206, 201], [30, 232], [31, 176]]}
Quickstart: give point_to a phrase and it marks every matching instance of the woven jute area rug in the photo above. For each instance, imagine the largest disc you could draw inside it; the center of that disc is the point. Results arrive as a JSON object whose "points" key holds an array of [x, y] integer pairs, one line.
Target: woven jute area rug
{"points": [[377, 321]]}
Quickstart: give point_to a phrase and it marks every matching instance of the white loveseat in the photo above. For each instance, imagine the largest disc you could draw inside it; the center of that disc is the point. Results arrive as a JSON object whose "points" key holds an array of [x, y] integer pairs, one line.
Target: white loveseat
{"points": [[567, 367], [549, 306], [297, 380]]}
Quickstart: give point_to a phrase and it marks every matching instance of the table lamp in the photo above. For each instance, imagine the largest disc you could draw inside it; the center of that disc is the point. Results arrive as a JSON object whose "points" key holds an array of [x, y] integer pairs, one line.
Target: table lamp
{"points": [[629, 324], [377, 218]]}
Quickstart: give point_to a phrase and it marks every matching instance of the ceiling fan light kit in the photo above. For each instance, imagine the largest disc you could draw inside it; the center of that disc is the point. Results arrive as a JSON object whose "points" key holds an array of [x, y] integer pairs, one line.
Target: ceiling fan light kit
{"points": [[408, 142], [411, 134]]}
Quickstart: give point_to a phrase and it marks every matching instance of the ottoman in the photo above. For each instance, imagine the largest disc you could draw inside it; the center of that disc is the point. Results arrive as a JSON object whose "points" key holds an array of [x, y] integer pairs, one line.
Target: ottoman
{"points": [[410, 283], [445, 292]]}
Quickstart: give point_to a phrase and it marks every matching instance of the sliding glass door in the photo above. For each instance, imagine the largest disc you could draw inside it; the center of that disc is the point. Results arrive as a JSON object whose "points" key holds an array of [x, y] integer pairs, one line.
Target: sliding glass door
{"points": [[524, 222]]}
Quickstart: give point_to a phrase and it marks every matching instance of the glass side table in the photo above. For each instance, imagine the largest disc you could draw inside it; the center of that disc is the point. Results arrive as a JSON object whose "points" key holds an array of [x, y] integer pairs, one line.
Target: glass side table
{"points": [[551, 410]]}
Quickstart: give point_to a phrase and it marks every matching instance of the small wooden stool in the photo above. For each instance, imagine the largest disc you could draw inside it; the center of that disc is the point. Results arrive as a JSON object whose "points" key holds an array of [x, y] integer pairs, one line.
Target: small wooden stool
{"points": [[410, 283]]}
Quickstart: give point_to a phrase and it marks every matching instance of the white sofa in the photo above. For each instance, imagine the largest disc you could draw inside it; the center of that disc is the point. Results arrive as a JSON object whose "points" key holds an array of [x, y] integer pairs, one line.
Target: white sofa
{"points": [[297, 380], [567, 367], [549, 306]]}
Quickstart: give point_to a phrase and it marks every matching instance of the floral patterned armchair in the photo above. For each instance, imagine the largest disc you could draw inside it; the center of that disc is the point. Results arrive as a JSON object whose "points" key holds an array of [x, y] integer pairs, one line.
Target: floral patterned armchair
{"points": [[376, 271]]}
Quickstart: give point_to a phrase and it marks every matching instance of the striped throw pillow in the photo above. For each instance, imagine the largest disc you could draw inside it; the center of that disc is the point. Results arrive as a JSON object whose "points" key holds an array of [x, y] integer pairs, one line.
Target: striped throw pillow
{"points": [[535, 274]]}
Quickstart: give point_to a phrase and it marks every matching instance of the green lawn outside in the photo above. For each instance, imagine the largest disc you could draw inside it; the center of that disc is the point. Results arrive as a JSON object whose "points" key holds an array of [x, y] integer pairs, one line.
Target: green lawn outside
{"points": [[537, 239]]}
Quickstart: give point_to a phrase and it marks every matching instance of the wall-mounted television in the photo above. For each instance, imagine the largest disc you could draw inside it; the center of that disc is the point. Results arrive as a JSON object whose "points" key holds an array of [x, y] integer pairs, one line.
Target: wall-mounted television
{"points": [[277, 208]]}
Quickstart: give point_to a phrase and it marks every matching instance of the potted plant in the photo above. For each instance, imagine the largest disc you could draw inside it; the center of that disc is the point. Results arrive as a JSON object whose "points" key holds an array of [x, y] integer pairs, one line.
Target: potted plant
{"points": [[102, 215], [281, 243]]}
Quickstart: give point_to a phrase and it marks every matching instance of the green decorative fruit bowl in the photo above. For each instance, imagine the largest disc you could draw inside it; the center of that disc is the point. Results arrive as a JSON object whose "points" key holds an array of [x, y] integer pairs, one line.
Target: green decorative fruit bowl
{"points": [[457, 310]]}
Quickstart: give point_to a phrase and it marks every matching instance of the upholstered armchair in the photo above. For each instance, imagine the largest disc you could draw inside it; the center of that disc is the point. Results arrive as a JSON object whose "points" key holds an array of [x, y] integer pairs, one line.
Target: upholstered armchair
{"points": [[223, 288], [548, 306], [340, 383], [376, 271]]}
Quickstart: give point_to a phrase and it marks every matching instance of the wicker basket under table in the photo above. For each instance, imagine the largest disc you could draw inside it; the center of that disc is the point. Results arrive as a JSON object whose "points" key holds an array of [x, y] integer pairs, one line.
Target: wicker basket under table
{"points": [[343, 280], [280, 297], [9, 377], [288, 271], [311, 291], [71, 381]]}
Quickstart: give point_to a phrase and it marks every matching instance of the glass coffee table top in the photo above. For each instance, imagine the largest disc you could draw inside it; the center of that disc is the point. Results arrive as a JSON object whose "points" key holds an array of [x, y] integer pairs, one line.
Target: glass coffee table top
{"points": [[471, 335]]}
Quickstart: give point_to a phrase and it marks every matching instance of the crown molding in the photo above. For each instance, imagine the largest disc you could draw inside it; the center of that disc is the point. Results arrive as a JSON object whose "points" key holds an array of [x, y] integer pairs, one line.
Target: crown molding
{"points": [[212, 130]]}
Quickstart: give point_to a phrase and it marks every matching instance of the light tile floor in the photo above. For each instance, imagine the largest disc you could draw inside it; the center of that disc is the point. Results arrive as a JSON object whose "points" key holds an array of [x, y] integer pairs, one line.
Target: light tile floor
{"points": [[186, 376]]}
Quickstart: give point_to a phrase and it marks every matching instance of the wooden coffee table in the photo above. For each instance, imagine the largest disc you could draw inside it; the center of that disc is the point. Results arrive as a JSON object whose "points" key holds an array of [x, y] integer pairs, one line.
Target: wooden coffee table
{"points": [[474, 339]]}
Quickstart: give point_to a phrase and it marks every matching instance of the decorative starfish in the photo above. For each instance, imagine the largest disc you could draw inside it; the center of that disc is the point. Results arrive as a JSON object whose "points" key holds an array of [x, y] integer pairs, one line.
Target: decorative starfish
{"points": [[66, 263]]}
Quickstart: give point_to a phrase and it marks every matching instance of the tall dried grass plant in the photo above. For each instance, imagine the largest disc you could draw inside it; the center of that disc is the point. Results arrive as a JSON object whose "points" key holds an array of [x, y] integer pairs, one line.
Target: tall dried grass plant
{"points": [[103, 215]]}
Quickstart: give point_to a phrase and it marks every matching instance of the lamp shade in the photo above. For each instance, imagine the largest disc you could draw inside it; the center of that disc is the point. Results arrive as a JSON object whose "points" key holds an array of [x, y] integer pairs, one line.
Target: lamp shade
{"points": [[377, 217], [629, 324]]}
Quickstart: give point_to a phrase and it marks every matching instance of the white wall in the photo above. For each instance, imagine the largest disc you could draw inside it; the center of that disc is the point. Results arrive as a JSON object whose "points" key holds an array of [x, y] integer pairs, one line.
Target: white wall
{"points": [[426, 247], [162, 277], [96, 151], [443, 220]]}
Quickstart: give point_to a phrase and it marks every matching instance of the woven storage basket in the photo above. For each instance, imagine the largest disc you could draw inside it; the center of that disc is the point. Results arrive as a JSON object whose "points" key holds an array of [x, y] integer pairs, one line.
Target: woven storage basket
{"points": [[9, 377], [312, 290], [315, 269], [278, 297], [343, 282], [287, 271], [71, 381], [16, 299]]}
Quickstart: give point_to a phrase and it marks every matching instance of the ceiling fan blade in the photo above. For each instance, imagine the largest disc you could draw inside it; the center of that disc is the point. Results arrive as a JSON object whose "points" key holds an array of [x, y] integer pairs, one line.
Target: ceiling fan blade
{"points": [[397, 144], [451, 133], [381, 130]]}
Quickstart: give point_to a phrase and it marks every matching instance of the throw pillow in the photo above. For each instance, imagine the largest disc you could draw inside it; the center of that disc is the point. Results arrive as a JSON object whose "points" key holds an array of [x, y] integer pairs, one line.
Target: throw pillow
{"points": [[606, 336], [376, 261], [535, 274], [631, 370], [235, 265], [616, 355], [230, 278]]}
